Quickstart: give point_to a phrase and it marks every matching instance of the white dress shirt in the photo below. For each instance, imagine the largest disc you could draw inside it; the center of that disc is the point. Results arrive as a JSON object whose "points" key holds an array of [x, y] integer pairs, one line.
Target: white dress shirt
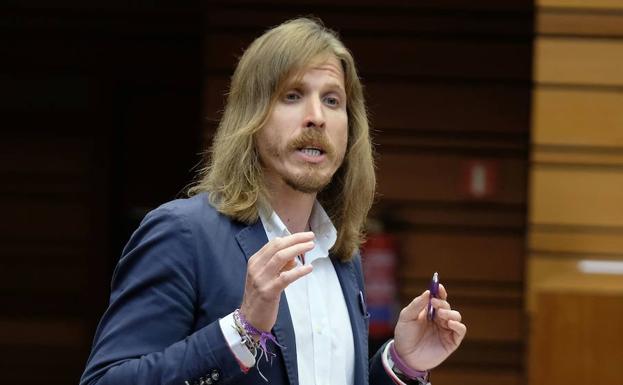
{"points": [[324, 339]]}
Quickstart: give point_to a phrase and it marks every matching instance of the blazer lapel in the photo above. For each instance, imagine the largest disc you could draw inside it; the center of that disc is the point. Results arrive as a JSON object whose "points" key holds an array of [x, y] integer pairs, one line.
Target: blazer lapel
{"points": [[251, 239], [357, 313]]}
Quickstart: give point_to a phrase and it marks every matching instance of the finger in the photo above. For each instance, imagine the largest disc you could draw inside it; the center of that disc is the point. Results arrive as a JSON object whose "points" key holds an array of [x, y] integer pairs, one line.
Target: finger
{"points": [[459, 330], [443, 294], [449, 315], [285, 278], [423, 314], [440, 303], [279, 243], [291, 264], [412, 310], [282, 257]]}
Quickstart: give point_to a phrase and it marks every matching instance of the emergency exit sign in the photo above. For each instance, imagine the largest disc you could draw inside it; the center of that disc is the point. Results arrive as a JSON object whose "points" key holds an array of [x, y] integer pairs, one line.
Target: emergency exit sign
{"points": [[479, 178]]}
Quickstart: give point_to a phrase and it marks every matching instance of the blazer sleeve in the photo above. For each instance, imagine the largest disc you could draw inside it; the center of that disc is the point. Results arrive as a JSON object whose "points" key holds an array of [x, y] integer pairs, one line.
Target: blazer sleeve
{"points": [[378, 373], [147, 335]]}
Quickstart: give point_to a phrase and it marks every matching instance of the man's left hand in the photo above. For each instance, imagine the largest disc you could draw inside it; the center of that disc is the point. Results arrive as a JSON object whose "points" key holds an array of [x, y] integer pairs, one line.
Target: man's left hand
{"points": [[423, 344]]}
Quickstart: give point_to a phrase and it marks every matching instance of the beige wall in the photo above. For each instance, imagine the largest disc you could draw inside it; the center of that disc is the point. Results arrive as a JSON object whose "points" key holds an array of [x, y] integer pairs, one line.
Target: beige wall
{"points": [[576, 193]]}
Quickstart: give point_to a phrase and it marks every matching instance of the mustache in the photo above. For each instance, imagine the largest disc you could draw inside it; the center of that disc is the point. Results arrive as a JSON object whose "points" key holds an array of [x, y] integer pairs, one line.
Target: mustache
{"points": [[312, 138]]}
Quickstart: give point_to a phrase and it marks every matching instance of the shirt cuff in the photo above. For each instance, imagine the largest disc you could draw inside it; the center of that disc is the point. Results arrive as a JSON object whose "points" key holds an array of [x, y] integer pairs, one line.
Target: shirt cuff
{"points": [[245, 358], [388, 369]]}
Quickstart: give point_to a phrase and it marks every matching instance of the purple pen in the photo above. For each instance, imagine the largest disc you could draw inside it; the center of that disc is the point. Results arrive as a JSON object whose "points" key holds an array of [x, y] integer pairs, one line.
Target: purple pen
{"points": [[434, 292]]}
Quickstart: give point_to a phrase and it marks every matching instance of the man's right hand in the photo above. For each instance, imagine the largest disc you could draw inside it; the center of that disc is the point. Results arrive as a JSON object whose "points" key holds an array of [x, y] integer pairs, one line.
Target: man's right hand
{"points": [[269, 272]]}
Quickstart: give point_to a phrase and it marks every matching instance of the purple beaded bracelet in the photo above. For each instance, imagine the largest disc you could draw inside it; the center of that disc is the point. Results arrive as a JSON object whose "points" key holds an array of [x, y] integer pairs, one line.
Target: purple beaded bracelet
{"points": [[403, 367]]}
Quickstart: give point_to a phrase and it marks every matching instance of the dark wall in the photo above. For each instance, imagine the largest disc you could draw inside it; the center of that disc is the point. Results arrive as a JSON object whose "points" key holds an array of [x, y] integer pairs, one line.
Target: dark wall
{"points": [[101, 120]]}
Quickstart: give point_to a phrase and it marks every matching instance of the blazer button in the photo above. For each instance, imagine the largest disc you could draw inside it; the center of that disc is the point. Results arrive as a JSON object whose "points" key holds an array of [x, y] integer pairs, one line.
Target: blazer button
{"points": [[216, 375]]}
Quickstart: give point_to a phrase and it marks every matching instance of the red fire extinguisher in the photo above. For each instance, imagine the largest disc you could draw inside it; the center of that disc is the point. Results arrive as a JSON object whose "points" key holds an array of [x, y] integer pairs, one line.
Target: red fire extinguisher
{"points": [[379, 259]]}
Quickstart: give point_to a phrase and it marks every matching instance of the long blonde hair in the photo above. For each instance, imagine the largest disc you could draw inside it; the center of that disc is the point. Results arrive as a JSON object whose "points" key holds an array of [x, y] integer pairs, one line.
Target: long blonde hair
{"points": [[233, 176]]}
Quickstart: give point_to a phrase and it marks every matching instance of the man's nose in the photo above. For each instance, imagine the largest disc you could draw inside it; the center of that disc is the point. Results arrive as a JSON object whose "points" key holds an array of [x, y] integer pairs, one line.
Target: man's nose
{"points": [[314, 114]]}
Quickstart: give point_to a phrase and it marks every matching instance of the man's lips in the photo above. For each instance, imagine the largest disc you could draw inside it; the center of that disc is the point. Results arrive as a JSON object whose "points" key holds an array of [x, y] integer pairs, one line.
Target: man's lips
{"points": [[312, 150], [311, 154]]}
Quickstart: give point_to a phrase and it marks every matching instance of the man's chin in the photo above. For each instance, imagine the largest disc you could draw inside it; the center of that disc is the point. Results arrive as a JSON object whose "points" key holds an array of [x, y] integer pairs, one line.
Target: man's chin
{"points": [[309, 184]]}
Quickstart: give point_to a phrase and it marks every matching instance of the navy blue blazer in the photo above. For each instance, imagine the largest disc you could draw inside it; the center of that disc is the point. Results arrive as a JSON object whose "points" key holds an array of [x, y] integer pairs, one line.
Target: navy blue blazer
{"points": [[182, 270]]}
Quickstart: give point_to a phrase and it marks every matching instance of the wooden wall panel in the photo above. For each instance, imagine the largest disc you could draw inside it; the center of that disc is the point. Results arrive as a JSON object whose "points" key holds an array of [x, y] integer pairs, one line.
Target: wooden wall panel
{"points": [[578, 240], [582, 4], [465, 257], [576, 186], [547, 273], [578, 61], [470, 104], [568, 322], [401, 5], [417, 18], [576, 197], [578, 118], [442, 216], [578, 156], [423, 57], [557, 22], [424, 184]]}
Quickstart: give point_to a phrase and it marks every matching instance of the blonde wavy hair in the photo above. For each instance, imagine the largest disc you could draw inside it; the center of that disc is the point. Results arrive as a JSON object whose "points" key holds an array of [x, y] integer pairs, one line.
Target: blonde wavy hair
{"points": [[233, 175]]}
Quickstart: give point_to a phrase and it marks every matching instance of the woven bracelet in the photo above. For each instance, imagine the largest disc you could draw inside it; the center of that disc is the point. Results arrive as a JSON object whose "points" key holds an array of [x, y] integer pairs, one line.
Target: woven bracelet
{"points": [[252, 331], [403, 367]]}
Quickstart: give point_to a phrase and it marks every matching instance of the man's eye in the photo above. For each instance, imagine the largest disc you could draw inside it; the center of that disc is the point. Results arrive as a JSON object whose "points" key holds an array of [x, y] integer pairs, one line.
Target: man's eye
{"points": [[292, 96], [332, 101]]}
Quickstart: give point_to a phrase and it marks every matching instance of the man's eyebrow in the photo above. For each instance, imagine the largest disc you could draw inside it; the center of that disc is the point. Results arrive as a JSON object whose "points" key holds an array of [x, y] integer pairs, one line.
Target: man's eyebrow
{"points": [[336, 84], [339, 89], [298, 84]]}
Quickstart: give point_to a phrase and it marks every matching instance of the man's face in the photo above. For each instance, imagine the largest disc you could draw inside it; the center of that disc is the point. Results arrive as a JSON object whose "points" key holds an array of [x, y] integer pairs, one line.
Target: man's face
{"points": [[304, 140]]}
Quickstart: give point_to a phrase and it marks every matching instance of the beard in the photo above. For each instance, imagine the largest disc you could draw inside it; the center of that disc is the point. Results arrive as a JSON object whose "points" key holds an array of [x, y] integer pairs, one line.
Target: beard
{"points": [[312, 178], [311, 182]]}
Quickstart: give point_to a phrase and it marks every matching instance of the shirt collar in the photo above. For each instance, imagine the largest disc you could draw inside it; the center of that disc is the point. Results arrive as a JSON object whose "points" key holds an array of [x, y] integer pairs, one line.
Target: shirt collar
{"points": [[319, 222]]}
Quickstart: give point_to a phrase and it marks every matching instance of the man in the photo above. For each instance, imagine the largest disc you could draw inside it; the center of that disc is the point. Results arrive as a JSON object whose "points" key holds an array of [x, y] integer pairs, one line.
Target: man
{"points": [[256, 276]]}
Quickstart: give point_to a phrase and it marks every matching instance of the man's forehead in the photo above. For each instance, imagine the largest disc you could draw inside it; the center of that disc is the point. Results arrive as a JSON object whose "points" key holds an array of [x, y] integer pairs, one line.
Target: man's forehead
{"points": [[331, 65]]}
